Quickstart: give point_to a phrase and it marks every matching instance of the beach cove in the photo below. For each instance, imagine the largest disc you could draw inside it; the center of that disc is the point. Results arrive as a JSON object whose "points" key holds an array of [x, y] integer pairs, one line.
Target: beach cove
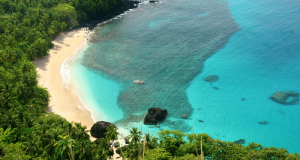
{"points": [[218, 108], [214, 111], [64, 100]]}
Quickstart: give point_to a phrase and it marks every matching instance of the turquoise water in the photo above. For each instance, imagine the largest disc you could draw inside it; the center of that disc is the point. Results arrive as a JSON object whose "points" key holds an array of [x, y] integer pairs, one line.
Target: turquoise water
{"points": [[96, 92], [169, 50]]}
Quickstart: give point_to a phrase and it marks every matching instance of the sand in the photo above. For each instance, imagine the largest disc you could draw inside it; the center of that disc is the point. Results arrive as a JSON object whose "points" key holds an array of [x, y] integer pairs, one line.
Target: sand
{"points": [[63, 101]]}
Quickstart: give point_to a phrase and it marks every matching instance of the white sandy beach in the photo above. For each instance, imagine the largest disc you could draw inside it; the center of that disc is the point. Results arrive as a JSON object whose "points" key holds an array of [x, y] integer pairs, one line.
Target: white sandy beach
{"points": [[63, 101]]}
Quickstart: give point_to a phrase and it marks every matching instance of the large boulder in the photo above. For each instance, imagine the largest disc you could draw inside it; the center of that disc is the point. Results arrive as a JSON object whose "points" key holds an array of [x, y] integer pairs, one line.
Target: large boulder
{"points": [[158, 113], [285, 97], [155, 115], [211, 78], [149, 119], [98, 130]]}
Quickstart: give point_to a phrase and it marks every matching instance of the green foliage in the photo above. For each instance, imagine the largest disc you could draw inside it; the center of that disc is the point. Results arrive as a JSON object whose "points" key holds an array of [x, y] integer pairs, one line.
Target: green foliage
{"points": [[157, 154], [70, 13], [28, 132], [171, 140], [187, 157], [65, 148], [13, 151], [26, 30], [8, 136]]}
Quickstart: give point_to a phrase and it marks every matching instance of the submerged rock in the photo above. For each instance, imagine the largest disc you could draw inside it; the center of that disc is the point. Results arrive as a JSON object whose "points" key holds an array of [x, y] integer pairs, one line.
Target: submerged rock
{"points": [[155, 115], [166, 71], [279, 97], [216, 88], [240, 141], [282, 97], [243, 99], [211, 78], [263, 122], [292, 93], [98, 130]]}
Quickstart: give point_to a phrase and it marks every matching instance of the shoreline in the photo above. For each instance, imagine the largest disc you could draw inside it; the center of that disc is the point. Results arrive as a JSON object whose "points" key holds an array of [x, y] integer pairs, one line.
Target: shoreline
{"points": [[54, 72], [64, 101]]}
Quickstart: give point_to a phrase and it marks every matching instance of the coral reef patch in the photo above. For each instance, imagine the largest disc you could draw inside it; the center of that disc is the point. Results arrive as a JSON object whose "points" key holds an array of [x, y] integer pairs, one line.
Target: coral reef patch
{"points": [[211, 78], [167, 59], [285, 97]]}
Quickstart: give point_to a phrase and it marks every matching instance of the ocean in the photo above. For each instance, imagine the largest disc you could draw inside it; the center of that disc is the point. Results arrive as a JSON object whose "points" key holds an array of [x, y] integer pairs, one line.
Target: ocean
{"points": [[253, 46]]}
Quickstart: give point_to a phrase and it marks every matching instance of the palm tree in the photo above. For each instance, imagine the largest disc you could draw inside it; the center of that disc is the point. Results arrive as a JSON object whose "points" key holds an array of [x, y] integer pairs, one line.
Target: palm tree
{"points": [[134, 135], [63, 144]]}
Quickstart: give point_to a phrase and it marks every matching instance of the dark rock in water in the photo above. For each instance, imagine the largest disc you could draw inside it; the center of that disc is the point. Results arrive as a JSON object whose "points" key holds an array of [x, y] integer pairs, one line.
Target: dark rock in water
{"points": [[116, 145], [211, 78], [167, 74], [241, 141], [243, 99], [216, 88], [200, 120], [98, 130], [153, 1], [154, 115], [119, 151], [184, 116], [263, 122], [126, 140], [199, 108], [149, 119], [158, 113], [286, 97]]}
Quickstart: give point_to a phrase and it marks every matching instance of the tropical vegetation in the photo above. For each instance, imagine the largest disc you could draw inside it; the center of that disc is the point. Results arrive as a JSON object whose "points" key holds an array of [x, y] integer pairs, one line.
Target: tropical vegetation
{"points": [[27, 131]]}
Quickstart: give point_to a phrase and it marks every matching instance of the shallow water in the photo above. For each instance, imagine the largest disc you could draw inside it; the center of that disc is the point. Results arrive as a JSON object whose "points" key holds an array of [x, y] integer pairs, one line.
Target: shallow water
{"points": [[167, 49]]}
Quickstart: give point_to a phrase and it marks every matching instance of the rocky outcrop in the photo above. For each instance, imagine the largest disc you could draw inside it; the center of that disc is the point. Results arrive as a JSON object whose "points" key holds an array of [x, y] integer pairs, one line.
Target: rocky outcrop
{"points": [[138, 82], [149, 119], [283, 97], [155, 115], [211, 78], [98, 130]]}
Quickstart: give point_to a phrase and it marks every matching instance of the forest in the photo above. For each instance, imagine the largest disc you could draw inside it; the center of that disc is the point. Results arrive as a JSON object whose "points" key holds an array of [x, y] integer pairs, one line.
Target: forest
{"points": [[27, 131]]}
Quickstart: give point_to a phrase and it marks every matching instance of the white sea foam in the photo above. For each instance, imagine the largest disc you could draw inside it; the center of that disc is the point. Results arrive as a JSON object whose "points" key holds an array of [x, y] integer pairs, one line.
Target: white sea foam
{"points": [[65, 67], [65, 70]]}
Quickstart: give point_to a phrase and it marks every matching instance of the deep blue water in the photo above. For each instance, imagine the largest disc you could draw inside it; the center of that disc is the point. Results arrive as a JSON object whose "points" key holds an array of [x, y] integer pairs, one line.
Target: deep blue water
{"points": [[259, 59]]}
